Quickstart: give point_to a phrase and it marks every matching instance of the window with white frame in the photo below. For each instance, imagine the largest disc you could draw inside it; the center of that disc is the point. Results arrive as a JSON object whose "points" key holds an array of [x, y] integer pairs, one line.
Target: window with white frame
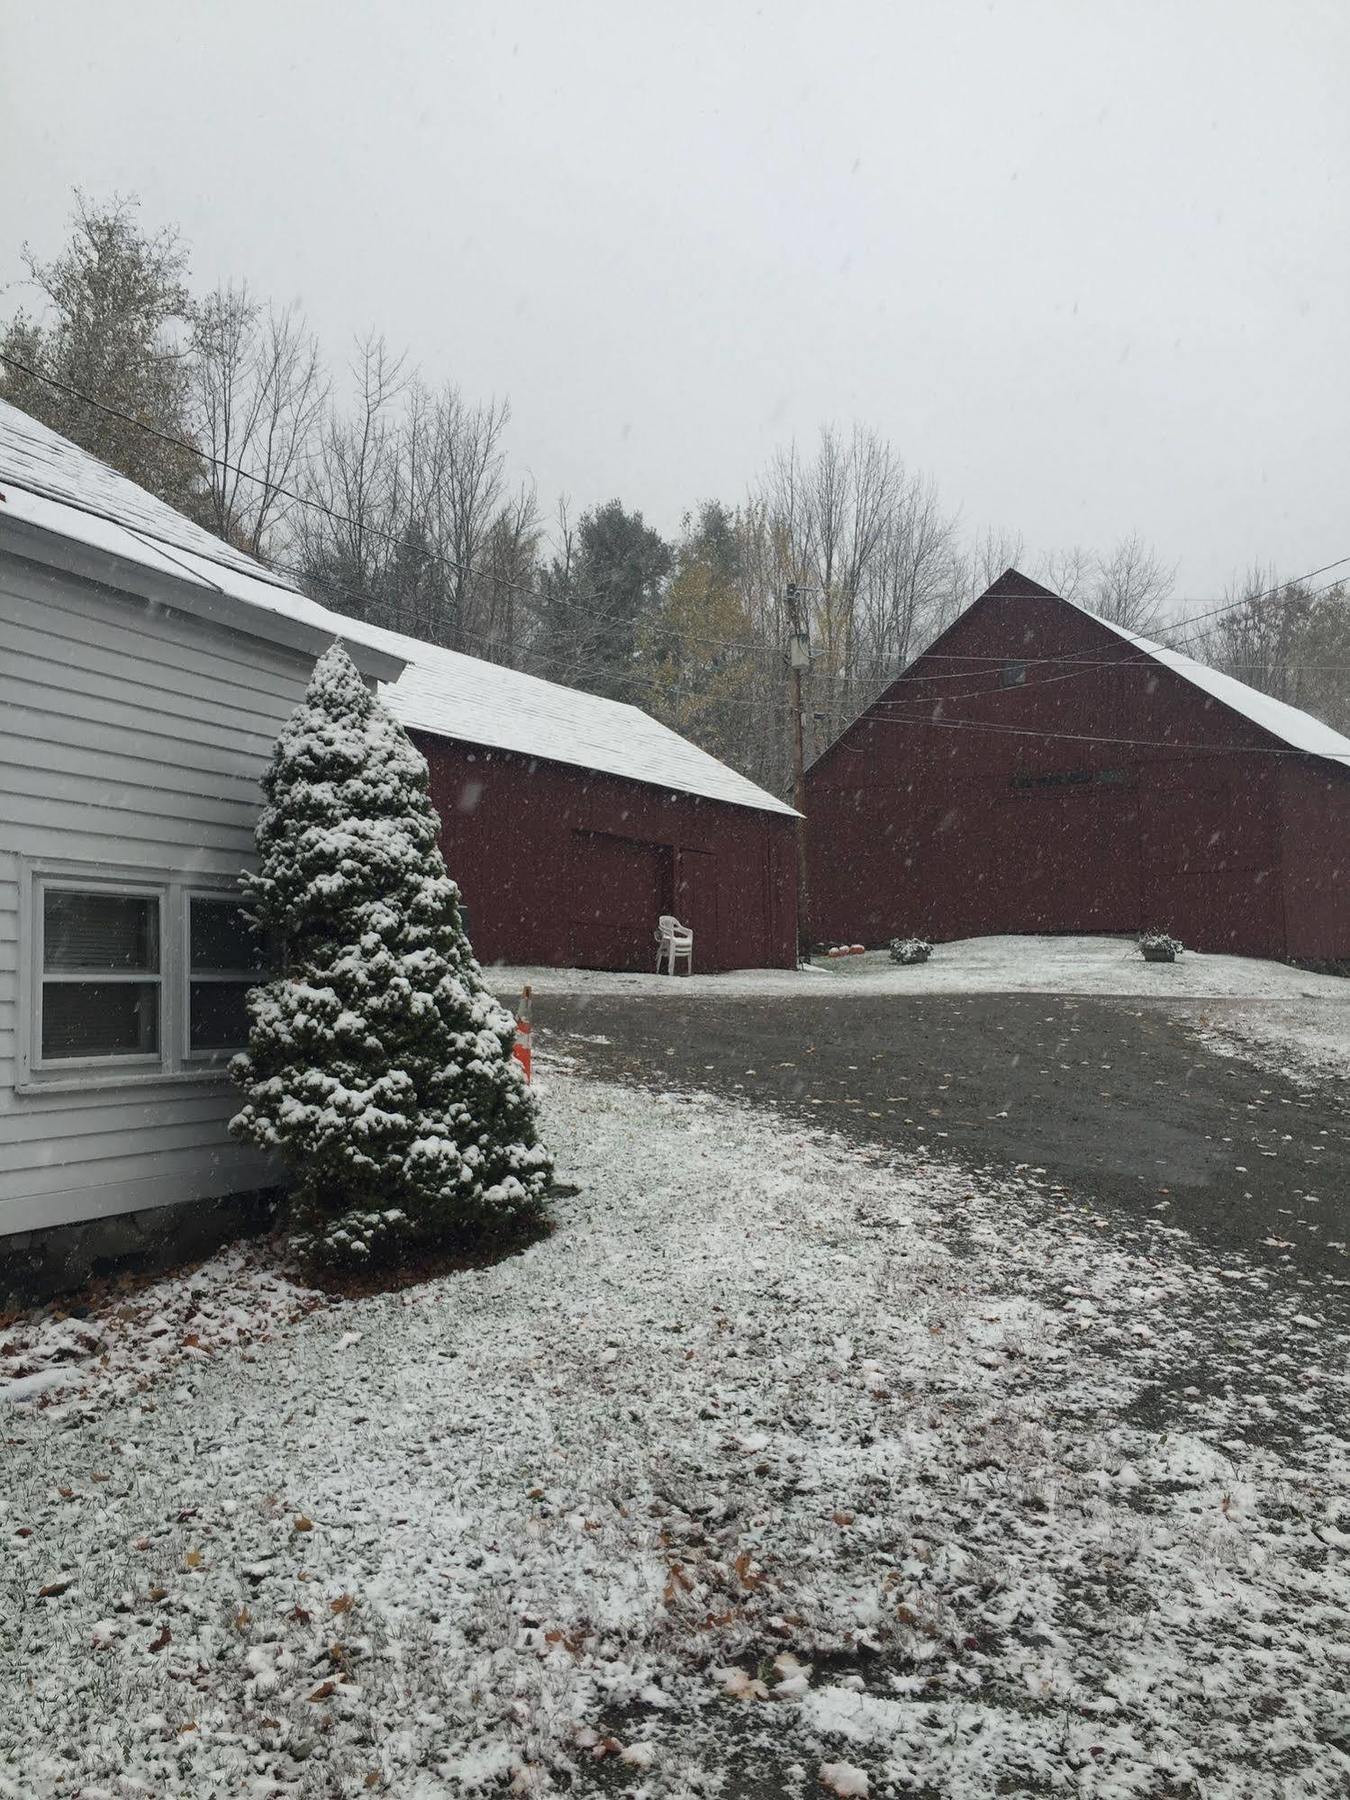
{"points": [[224, 961], [102, 982], [134, 978]]}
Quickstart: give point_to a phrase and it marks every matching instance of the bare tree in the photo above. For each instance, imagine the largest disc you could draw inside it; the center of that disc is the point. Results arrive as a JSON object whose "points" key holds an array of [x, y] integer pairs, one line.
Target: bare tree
{"points": [[348, 530], [258, 390], [992, 553], [468, 498], [1071, 573], [507, 565], [1286, 638], [1130, 586]]}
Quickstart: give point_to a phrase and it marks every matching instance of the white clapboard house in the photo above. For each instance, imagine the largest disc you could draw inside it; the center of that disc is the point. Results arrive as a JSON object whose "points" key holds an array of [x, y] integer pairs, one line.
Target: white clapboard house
{"points": [[145, 669]]}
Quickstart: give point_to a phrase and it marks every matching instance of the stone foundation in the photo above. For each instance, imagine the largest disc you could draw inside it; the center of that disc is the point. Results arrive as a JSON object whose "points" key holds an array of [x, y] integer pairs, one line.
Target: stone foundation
{"points": [[38, 1265]]}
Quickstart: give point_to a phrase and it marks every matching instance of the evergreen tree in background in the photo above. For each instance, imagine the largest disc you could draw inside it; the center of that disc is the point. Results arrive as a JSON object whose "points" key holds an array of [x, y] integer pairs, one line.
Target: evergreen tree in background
{"points": [[379, 1066], [593, 604]]}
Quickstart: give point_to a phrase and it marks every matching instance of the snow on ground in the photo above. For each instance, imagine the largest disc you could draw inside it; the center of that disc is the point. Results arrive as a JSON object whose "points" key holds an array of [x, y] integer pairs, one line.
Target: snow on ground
{"points": [[779, 1463], [1308, 1039], [1268, 1011], [989, 965]]}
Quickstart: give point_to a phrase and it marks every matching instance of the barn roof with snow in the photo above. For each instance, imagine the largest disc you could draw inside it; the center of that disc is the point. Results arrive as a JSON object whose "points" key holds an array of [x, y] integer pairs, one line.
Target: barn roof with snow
{"points": [[1079, 777], [1293, 727], [450, 695], [54, 487]]}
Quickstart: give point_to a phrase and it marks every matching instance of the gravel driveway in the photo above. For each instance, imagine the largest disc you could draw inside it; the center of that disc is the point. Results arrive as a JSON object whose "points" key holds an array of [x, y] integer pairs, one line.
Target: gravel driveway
{"points": [[1117, 1100]]}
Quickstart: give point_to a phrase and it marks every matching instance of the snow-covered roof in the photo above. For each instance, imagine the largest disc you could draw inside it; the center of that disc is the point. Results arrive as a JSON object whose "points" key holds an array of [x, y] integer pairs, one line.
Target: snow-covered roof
{"points": [[51, 484], [450, 695], [1299, 730], [1293, 727]]}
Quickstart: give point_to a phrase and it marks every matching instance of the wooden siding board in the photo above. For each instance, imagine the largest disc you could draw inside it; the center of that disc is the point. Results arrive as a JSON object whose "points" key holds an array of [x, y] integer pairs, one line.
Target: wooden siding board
{"points": [[133, 790], [150, 1184], [77, 657], [520, 835], [135, 759], [64, 687], [155, 636], [28, 1115], [46, 1163], [65, 741], [916, 828], [33, 701], [31, 817]]}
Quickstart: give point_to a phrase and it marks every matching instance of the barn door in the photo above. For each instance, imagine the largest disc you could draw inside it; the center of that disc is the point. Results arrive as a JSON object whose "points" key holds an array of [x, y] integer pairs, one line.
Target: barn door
{"points": [[696, 905], [619, 888]]}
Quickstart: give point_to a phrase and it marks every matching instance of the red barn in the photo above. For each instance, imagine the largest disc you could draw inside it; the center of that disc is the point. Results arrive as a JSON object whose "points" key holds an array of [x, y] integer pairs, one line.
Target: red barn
{"points": [[1038, 770], [571, 822]]}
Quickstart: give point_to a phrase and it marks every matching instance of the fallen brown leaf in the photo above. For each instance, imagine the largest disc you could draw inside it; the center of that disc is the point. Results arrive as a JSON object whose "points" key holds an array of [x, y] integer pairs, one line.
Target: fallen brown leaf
{"points": [[745, 1570]]}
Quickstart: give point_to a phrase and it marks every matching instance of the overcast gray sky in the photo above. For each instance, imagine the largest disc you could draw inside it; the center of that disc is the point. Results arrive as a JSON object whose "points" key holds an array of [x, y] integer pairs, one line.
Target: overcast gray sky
{"points": [[1086, 263]]}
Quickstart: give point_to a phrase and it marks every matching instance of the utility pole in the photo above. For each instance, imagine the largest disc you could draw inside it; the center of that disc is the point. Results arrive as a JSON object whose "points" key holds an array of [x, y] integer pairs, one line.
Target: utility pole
{"points": [[799, 659]]}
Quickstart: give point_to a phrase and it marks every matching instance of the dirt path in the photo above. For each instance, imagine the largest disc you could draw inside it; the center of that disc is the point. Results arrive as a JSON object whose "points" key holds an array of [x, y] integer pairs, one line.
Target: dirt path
{"points": [[1115, 1100]]}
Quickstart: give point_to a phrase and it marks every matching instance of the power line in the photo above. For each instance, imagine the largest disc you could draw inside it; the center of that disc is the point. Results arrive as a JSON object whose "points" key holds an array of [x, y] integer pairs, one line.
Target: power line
{"points": [[575, 603], [1075, 737], [307, 500], [1082, 666], [1140, 659]]}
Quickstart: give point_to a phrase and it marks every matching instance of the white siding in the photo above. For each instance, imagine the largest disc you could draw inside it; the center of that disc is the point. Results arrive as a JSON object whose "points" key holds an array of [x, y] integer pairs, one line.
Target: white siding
{"points": [[129, 736]]}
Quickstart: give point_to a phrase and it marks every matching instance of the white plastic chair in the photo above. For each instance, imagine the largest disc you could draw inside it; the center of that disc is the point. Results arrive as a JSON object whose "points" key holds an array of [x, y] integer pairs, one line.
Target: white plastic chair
{"points": [[673, 940]]}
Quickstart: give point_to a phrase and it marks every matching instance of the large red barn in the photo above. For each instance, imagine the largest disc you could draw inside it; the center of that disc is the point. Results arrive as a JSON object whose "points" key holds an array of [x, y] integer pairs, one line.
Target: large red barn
{"points": [[1038, 770], [572, 822]]}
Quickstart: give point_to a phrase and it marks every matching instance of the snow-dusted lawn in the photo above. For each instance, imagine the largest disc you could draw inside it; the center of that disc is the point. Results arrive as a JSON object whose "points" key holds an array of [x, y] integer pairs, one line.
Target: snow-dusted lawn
{"points": [[989, 965], [775, 1456], [1263, 1006]]}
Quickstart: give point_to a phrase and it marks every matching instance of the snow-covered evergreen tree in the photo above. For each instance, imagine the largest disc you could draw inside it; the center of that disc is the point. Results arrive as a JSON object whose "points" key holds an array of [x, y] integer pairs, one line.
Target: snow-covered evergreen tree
{"points": [[378, 1065]]}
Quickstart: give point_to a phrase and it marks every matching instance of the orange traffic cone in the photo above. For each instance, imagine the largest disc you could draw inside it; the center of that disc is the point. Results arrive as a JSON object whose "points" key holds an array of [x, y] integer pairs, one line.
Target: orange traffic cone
{"points": [[521, 1048]]}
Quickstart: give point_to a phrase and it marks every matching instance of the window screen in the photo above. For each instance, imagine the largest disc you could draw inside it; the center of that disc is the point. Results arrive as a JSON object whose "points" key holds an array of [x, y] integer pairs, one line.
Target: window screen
{"points": [[224, 962], [100, 974], [99, 931]]}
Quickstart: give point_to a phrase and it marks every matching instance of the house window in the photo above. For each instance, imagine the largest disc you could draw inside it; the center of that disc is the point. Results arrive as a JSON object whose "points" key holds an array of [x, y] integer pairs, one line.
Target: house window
{"points": [[101, 978], [1074, 778], [223, 964], [130, 976], [1014, 674]]}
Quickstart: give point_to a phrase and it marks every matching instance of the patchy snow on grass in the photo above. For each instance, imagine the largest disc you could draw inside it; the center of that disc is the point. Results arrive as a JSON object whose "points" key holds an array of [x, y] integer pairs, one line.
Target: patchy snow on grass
{"points": [[780, 1465], [1308, 1039], [1110, 966], [129, 1338], [1265, 1012]]}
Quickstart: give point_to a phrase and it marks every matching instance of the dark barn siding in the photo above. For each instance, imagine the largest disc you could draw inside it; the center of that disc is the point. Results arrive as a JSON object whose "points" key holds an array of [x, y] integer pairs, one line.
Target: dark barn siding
{"points": [[563, 866], [1316, 838], [918, 827]]}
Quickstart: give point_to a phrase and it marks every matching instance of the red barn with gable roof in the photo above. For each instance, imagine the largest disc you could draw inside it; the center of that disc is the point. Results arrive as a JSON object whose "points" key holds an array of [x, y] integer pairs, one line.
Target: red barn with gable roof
{"points": [[1039, 770]]}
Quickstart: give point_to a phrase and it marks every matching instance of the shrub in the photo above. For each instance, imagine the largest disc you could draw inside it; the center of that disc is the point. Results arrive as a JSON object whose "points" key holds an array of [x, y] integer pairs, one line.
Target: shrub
{"points": [[1158, 946], [910, 950], [378, 1066]]}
